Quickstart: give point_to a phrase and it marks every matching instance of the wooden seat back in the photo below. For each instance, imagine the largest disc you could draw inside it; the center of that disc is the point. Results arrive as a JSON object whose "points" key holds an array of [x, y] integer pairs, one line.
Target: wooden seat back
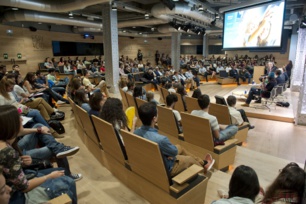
{"points": [[130, 100], [145, 159], [161, 97], [197, 131], [124, 100], [192, 104], [221, 112], [73, 106], [140, 102], [87, 125], [109, 140], [179, 105], [164, 93], [167, 122]]}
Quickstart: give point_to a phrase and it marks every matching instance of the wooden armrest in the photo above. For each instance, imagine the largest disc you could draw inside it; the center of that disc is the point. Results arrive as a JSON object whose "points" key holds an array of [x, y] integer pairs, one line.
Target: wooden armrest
{"points": [[178, 188], [243, 125], [181, 136], [227, 145], [187, 174], [63, 199]]}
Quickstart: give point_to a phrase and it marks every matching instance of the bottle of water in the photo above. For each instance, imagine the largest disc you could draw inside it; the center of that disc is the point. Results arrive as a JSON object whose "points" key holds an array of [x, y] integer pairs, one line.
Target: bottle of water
{"points": [[253, 82], [245, 91]]}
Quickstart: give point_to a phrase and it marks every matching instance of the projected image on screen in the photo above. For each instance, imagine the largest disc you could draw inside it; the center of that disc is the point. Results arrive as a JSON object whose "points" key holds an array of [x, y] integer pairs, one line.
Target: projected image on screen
{"points": [[254, 27]]}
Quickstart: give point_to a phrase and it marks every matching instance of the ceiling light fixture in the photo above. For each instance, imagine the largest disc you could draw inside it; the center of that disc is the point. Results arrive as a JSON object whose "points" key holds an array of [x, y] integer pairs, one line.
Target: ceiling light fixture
{"points": [[114, 6], [200, 8]]}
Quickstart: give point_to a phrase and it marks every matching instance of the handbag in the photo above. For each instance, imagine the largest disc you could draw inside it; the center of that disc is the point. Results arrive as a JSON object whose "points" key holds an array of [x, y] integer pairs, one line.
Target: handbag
{"points": [[57, 126]]}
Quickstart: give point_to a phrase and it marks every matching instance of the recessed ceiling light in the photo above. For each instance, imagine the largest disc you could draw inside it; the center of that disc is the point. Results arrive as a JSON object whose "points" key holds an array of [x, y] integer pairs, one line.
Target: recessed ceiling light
{"points": [[70, 14], [124, 31], [39, 22], [15, 9], [140, 33], [134, 26], [147, 15]]}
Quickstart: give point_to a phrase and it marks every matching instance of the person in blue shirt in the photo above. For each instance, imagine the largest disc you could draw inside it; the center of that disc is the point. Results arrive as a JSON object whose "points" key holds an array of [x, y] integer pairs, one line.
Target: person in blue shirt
{"points": [[176, 157]]}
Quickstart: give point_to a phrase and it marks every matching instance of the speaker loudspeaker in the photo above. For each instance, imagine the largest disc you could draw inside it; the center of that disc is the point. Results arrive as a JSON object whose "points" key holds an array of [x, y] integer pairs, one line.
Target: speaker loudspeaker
{"points": [[33, 29]]}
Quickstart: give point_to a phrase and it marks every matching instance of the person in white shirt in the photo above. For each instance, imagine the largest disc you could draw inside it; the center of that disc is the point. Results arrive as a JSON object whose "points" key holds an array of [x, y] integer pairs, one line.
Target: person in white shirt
{"points": [[220, 134], [171, 99], [237, 116], [219, 68], [202, 70]]}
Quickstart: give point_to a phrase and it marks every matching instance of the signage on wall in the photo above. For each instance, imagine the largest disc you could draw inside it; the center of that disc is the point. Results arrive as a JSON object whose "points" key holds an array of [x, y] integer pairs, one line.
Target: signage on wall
{"points": [[5, 56], [19, 56]]}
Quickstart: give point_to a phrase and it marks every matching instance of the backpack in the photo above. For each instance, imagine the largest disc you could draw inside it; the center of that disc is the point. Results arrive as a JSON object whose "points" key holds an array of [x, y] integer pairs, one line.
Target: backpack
{"points": [[59, 115], [283, 104], [57, 126]]}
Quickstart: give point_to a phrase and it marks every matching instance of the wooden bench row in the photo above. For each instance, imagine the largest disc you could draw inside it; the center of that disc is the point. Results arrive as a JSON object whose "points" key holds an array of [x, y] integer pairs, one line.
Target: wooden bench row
{"points": [[138, 162]]}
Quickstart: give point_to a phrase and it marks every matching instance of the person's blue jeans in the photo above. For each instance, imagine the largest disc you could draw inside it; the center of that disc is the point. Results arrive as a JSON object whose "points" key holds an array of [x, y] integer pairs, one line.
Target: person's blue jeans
{"points": [[37, 117], [228, 132], [50, 147], [197, 81], [59, 90], [58, 186], [253, 91]]}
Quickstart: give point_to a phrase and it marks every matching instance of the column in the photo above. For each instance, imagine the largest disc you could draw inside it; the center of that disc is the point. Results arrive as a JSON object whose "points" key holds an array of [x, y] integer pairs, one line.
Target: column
{"points": [[205, 45], [299, 77], [111, 51], [175, 50]]}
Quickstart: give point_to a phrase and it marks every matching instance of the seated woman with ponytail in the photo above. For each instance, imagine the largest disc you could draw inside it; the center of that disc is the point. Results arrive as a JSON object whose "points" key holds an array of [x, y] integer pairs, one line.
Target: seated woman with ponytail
{"points": [[45, 185]]}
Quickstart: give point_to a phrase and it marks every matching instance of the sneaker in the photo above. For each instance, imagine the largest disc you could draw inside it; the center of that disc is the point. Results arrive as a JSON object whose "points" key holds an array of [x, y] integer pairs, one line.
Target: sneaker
{"points": [[245, 105], [222, 193], [258, 101], [59, 102], [55, 134], [76, 177], [251, 127], [67, 151], [210, 162], [55, 109]]}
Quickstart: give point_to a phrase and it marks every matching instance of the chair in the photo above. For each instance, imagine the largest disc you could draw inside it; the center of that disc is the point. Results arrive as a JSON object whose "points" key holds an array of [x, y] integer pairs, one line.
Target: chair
{"points": [[92, 143], [192, 104], [112, 143], [220, 100], [167, 124], [221, 112], [79, 123], [130, 114], [124, 100], [62, 199], [139, 102], [266, 101], [179, 105], [164, 92], [198, 139], [146, 161]]}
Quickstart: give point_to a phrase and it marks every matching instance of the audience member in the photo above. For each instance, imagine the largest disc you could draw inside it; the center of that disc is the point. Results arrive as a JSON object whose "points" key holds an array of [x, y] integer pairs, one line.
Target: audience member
{"points": [[13, 167], [150, 97], [288, 187], [96, 102], [171, 99], [243, 187], [177, 158], [238, 116], [196, 93], [220, 134]]}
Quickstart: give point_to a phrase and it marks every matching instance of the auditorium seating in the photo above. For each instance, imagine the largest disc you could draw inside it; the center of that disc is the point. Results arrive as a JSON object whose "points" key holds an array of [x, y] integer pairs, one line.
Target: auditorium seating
{"points": [[223, 116], [146, 161], [179, 105], [164, 93], [192, 104], [124, 99], [198, 139]]}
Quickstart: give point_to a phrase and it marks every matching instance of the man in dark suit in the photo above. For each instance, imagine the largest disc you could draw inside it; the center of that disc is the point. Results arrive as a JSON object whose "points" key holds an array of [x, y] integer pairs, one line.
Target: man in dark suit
{"points": [[234, 73]]}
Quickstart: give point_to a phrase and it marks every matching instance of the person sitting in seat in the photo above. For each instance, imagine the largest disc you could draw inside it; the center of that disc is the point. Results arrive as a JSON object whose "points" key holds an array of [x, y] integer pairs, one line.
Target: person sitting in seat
{"points": [[234, 73], [238, 116], [265, 89], [243, 187], [51, 78], [196, 93], [244, 74], [177, 159], [220, 134], [279, 77], [171, 99], [288, 187]]}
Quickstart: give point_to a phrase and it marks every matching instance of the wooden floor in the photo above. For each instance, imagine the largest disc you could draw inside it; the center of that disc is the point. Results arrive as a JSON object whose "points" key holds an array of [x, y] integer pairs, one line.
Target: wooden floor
{"points": [[269, 147]]}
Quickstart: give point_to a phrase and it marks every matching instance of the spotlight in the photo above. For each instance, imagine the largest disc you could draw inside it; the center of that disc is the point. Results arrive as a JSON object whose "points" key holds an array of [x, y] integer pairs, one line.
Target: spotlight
{"points": [[124, 31], [86, 36], [169, 4], [303, 22], [70, 14], [140, 33], [114, 7], [200, 8], [186, 28]]}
